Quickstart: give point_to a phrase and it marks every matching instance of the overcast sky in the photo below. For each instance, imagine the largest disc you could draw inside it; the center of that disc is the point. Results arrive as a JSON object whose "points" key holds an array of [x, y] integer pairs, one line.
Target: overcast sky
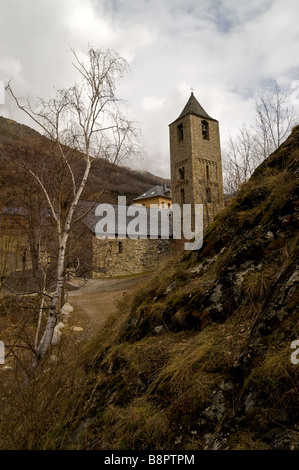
{"points": [[226, 50]]}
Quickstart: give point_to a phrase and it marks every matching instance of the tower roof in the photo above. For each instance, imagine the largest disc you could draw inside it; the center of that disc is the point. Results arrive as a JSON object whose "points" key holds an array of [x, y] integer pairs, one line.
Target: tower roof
{"points": [[193, 107]]}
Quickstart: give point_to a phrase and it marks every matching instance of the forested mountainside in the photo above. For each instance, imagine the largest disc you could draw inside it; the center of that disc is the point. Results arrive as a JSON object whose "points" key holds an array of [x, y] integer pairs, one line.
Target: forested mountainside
{"points": [[19, 139]]}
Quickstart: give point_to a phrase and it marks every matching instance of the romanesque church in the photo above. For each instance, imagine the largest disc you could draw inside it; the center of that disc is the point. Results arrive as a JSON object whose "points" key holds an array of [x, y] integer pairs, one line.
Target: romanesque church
{"points": [[196, 178], [195, 160]]}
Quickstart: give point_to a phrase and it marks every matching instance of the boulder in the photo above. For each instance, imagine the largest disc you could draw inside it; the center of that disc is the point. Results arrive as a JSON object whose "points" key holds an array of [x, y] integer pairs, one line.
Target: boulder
{"points": [[66, 309], [57, 333]]}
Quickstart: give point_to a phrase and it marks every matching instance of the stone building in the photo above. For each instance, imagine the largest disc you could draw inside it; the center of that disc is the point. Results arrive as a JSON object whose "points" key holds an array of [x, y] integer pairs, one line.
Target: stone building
{"points": [[196, 178], [129, 246], [195, 159], [157, 196]]}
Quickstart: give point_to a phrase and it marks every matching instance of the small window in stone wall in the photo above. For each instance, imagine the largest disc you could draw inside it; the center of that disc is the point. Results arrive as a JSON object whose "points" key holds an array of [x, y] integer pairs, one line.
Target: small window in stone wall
{"points": [[182, 196], [120, 248], [205, 130], [207, 172], [182, 173], [180, 131], [209, 195]]}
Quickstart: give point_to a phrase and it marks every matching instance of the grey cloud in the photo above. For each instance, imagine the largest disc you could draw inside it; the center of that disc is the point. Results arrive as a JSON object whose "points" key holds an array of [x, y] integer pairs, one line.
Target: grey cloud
{"points": [[225, 49]]}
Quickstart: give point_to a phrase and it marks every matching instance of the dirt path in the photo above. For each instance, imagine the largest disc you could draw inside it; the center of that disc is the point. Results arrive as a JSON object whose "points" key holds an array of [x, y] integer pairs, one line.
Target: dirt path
{"points": [[96, 299]]}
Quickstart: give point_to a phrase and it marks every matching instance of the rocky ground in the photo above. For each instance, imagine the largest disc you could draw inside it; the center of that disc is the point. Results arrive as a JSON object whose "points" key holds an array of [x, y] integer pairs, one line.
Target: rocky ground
{"points": [[201, 357]]}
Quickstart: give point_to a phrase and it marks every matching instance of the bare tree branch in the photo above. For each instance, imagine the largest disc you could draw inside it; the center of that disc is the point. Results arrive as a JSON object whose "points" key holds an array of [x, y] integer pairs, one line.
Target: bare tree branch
{"points": [[253, 145], [83, 122]]}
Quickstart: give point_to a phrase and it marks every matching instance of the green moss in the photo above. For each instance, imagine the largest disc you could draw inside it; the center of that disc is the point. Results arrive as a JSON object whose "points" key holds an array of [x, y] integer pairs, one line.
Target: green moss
{"points": [[179, 300]]}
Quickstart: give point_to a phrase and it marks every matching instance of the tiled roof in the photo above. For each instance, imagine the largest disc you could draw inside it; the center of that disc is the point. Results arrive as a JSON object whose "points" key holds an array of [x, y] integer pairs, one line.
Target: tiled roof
{"points": [[154, 192], [123, 223]]}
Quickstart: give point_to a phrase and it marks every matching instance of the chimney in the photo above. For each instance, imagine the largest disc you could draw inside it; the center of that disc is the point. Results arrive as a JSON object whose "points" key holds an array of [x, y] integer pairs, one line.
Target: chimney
{"points": [[164, 187]]}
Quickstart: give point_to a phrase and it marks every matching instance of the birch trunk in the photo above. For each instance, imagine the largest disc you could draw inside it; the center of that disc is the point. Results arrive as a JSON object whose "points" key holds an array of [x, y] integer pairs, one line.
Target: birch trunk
{"points": [[46, 340], [85, 118]]}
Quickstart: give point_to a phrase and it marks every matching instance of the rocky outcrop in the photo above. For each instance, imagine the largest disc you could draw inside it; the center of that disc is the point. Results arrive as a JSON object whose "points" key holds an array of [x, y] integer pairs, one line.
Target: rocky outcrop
{"points": [[204, 350]]}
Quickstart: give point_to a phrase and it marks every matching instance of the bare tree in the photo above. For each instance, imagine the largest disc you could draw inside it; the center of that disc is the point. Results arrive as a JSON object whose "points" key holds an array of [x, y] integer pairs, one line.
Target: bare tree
{"points": [[84, 120], [273, 121], [254, 144], [241, 160]]}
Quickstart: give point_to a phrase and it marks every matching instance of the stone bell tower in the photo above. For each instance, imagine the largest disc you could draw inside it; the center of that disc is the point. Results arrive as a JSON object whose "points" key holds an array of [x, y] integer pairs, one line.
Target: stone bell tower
{"points": [[195, 157]]}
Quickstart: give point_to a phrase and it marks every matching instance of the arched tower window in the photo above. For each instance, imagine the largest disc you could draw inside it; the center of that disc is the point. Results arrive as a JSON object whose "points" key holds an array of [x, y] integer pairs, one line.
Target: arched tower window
{"points": [[182, 173], [209, 195], [182, 196], [205, 130], [180, 131], [207, 172]]}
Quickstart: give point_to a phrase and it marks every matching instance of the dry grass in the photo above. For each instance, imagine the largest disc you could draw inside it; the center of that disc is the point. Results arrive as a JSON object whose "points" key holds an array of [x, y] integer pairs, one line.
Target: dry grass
{"points": [[246, 440], [29, 409], [273, 370], [31, 405], [139, 425], [141, 389], [257, 283]]}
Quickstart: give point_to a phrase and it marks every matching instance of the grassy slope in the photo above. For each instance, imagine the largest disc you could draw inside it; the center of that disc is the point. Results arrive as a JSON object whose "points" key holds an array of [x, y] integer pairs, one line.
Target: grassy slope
{"points": [[219, 374]]}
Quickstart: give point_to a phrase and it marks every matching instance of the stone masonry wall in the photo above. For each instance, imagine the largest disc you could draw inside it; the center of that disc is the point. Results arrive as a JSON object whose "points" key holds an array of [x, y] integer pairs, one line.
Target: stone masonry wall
{"points": [[180, 160], [124, 257], [196, 168], [207, 168]]}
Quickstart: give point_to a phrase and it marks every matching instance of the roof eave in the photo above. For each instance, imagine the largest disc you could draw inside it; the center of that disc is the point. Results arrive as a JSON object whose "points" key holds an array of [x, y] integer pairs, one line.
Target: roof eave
{"points": [[193, 114], [142, 198]]}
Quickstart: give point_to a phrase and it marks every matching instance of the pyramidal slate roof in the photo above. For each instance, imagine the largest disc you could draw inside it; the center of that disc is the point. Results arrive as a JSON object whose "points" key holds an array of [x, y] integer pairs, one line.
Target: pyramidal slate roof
{"points": [[193, 107], [155, 191]]}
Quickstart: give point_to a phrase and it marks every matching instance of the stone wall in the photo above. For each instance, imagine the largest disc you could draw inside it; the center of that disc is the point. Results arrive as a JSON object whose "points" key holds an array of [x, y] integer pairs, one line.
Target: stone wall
{"points": [[207, 168], [124, 257], [181, 161], [196, 168]]}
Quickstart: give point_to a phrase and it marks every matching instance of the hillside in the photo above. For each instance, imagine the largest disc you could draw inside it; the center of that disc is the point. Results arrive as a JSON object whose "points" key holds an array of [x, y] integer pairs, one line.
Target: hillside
{"points": [[18, 138], [200, 357]]}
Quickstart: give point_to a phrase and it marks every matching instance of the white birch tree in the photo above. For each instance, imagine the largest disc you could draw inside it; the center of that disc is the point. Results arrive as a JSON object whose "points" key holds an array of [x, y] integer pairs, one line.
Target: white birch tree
{"points": [[85, 120]]}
